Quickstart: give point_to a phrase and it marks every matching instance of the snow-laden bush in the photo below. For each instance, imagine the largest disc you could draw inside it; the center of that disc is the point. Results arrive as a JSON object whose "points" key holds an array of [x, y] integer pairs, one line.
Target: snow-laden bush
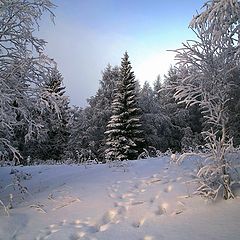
{"points": [[15, 188], [205, 71], [144, 154], [152, 152], [119, 165]]}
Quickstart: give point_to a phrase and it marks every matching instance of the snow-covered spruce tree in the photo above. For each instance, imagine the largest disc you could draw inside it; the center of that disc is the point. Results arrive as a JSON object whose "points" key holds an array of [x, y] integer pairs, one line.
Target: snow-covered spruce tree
{"points": [[88, 125], [150, 110], [124, 136], [23, 67], [100, 110], [78, 139], [156, 126], [55, 119], [181, 121], [205, 68]]}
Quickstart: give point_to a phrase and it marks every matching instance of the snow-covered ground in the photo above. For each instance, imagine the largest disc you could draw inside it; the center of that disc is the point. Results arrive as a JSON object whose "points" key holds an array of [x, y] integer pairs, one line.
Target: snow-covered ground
{"points": [[147, 200]]}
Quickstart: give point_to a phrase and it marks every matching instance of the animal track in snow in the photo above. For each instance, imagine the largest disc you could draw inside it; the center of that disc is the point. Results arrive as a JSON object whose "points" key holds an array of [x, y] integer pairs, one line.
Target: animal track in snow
{"points": [[168, 189], [109, 216], [154, 198], [161, 210], [83, 229], [137, 200], [139, 223]]}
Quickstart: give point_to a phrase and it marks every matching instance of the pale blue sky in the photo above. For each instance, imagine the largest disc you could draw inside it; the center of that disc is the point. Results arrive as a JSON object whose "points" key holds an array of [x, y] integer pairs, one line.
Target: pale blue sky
{"points": [[89, 34]]}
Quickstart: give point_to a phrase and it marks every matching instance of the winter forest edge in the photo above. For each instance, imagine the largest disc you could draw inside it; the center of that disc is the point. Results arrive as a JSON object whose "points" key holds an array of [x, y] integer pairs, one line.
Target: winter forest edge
{"points": [[193, 110]]}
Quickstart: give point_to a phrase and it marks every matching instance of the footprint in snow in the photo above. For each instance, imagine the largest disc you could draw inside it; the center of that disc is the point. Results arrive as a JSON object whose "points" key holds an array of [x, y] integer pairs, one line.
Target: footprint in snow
{"points": [[160, 211], [123, 210], [83, 228], [112, 216], [153, 199], [168, 189], [109, 216], [139, 223]]}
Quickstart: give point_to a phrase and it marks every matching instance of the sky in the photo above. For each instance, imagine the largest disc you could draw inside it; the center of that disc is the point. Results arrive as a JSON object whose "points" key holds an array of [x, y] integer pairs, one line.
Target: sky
{"points": [[89, 34]]}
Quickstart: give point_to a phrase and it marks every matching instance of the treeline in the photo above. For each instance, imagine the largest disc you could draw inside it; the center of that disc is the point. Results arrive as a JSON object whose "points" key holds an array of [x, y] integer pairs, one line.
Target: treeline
{"points": [[122, 118], [164, 123], [31, 95]]}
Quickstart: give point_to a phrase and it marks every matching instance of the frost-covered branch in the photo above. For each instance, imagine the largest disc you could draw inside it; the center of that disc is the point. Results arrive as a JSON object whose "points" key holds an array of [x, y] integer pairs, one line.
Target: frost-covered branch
{"points": [[205, 70], [23, 67]]}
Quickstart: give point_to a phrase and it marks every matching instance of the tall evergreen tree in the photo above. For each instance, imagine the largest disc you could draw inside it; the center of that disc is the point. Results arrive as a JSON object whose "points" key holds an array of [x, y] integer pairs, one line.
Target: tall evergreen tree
{"points": [[88, 125], [100, 110], [54, 119], [157, 127], [123, 129], [186, 122], [58, 131], [157, 86]]}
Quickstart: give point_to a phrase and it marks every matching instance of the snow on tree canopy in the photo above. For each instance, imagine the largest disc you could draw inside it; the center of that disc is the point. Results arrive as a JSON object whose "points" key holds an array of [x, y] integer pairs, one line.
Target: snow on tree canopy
{"points": [[124, 128]]}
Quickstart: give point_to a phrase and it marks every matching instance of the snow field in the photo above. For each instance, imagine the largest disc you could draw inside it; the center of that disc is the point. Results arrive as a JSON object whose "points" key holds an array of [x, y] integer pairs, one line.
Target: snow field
{"points": [[147, 200]]}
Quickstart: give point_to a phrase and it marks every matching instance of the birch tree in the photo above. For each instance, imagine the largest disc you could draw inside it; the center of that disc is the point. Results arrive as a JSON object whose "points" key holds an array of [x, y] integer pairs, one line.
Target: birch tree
{"points": [[205, 69], [23, 67]]}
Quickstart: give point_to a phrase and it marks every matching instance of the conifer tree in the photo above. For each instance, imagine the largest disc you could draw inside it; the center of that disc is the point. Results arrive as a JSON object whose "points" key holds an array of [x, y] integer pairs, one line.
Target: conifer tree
{"points": [[157, 126], [89, 124], [54, 83], [123, 139], [55, 118], [100, 110]]}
